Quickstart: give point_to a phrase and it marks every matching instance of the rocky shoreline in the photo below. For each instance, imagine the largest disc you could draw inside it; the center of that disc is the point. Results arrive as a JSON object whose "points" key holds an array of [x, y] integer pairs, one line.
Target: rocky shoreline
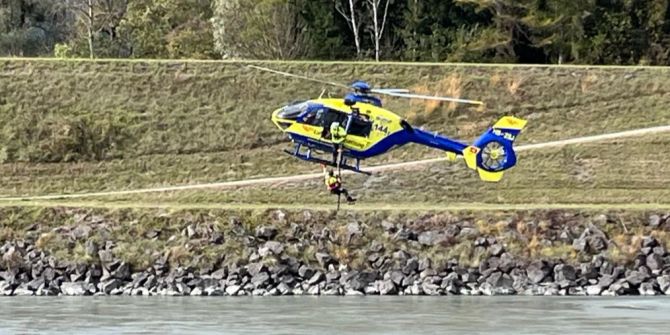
{"points": [[389, 265]]}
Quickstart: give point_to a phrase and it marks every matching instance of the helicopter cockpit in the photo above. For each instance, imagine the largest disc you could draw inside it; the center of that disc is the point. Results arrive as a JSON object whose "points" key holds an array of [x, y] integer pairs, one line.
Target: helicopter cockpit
{"points": [[293, 111]]}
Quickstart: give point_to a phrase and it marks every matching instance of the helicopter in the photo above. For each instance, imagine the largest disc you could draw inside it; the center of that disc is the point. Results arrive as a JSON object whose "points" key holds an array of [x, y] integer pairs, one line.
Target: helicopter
{"points": [[370, 130]]}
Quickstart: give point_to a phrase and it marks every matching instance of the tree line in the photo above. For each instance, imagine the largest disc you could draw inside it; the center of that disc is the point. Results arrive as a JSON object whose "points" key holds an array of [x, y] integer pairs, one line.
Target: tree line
{"points": [[514, 31]]}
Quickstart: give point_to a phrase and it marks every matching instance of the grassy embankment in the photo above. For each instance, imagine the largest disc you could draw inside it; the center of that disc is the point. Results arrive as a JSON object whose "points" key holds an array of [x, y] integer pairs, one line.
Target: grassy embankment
{"points": [[77, 126]]}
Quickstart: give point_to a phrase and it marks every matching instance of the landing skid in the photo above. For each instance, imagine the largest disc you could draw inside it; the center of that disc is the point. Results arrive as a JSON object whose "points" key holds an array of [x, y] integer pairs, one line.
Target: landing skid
{"points": [[309, 158]]}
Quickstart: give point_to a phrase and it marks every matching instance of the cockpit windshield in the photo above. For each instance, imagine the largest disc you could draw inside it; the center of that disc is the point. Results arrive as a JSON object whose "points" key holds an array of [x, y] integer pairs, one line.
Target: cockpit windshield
{"points": [[292, 111]]}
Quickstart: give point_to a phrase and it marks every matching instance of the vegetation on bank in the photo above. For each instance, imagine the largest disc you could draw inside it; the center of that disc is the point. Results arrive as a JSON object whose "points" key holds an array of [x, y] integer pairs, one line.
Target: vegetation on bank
{"points": [[210, 238]]}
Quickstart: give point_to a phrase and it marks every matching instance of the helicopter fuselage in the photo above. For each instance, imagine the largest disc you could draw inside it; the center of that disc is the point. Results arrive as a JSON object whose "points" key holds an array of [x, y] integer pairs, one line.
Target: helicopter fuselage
{"points": [[371, 130]]}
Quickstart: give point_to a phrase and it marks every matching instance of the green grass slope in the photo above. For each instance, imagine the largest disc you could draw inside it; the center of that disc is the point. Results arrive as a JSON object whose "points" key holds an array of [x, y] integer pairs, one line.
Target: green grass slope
{"points": [[76, 126]]}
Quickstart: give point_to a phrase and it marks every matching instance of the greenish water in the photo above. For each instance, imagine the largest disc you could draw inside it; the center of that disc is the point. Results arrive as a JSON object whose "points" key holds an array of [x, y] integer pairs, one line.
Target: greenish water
{"points": [[334, 315]]}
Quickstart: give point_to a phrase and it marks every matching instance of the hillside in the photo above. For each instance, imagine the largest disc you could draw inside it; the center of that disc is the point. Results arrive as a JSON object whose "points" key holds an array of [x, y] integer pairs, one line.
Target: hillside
{"points": [[75, 126]]}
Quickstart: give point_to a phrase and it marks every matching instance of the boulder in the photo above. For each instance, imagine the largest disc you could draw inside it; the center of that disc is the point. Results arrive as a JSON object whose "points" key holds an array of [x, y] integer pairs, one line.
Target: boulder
{"points": [[580, 244], [388, 226], [74, 289], [664, 284], [233, 290], [594, 289], [430, 238], [213, 291], [324, 259], [332, 276], [452, 231], [605, 281], [430, 289], [537, 271], [266, 232], [588, 271], [219, 274], [314, 290], [5, 288], [306, 272], [500, 280], [647, 288], [139, 279], [496, 250], [371, 289], [424, 264], [649, 241], [468, 233], [196, 292], [122, 272], [255, 268], [655, 221], [109, 285], [411, 266], [316, 278], [659, 250], [23, 291], [491, 290], [216, 238], [596, 244], [564, 272], [260, 280], [271, 248], [636, 278], [397, 277], [654, 261], [387, 287], [404, 234]]}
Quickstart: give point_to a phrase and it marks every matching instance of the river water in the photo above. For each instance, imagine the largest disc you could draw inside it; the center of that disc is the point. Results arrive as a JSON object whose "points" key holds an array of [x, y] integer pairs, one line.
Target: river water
{"points": [[334, 315]]}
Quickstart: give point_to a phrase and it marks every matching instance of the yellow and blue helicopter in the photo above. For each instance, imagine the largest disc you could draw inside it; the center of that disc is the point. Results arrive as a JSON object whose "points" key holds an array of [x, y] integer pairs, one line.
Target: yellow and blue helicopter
{"points": [[368, 130]]}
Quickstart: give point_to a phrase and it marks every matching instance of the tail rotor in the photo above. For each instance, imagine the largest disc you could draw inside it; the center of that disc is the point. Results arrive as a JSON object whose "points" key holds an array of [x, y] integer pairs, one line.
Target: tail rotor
{"points": [[493, 152]]}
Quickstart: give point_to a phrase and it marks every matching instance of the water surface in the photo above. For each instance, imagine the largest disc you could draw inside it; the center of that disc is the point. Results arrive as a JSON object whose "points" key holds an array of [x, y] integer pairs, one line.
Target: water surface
{"points": [[334, 315]]}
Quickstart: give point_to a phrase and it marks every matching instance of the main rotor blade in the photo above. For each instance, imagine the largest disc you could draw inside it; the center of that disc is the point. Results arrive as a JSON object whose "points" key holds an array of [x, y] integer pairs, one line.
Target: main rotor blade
{"points": [[390, 90], [286, 74], [428, 97]]}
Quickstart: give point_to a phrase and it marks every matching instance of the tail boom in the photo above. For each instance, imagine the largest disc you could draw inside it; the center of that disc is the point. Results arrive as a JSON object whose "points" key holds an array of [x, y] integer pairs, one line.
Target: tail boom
{"points": [[490, 155]]}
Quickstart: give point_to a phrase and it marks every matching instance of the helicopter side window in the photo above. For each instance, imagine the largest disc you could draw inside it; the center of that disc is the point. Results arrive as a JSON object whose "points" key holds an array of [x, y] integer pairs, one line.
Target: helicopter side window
{"points": [[360, 126], [293, 111], [313, 117]]}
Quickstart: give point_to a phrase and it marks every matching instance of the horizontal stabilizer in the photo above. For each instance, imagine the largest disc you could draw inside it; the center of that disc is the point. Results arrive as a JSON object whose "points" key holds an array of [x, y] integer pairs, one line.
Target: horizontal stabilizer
{"points": [[510, 122], [490, 176]]}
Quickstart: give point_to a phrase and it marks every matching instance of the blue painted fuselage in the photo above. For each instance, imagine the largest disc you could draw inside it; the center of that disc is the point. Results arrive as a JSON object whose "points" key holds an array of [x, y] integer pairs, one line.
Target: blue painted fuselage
{"points": [[388, 143]]}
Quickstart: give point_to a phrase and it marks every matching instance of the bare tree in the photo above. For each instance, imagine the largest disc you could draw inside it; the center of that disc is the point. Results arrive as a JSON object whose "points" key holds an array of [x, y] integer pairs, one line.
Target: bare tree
{"points": [[83, 9], [350, 16], [258, 29], [97, 16], [377, 28]]}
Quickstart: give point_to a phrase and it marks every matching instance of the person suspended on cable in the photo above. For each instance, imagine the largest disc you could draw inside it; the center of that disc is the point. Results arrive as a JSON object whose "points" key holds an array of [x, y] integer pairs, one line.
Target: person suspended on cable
{"points": [[334, 184]]}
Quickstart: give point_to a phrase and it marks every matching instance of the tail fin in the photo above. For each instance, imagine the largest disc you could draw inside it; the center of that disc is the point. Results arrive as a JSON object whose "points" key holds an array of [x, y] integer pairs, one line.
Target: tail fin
{"points": [[493, 152]]}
